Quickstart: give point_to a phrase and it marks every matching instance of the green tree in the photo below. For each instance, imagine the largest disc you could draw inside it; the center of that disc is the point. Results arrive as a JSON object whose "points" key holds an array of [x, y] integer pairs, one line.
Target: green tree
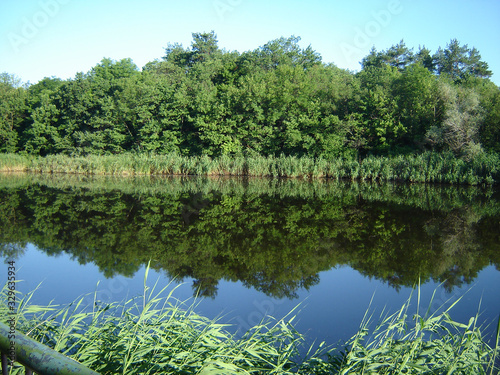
{"points": [[12, 111], [379, 108], [89, 114], [177, 55], [490, 127], [286, 51], [463, 115], [417, 95], [204, 46], [460, 61], [45, 85], [155, 107], [208, 132], [41, 134], [424, 57], [489, 98], [398, 56]]}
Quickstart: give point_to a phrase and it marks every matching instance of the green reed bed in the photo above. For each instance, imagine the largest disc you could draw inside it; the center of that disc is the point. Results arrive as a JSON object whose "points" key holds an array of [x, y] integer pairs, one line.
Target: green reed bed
{"points": [[14, 162], [411, 343], [428, 167], [157, 334]]}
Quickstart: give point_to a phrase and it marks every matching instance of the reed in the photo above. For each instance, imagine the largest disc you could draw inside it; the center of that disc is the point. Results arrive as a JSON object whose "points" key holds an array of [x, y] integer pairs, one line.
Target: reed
{"points": [[422, 168], [14, 162], [406, 343], [157, 334]]}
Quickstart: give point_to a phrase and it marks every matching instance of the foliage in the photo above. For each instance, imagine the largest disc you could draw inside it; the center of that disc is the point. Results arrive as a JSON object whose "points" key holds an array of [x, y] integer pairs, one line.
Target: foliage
{"points": [[156, 333], [12, 112], [277, 99], [462, 119], [429, 167], [460, 61], [428, 343]]}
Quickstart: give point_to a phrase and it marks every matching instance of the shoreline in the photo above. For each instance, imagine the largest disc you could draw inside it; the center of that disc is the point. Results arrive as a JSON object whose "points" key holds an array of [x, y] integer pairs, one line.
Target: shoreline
{"points": [[428, 167]]}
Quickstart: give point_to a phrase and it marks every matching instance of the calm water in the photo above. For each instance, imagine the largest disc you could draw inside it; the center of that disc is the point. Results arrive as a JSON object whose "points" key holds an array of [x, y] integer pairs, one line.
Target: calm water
{"points": [[256, 247]]}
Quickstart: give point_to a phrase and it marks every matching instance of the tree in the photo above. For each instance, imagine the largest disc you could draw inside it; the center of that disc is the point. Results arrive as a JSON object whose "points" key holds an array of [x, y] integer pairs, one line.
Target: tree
{"points": [[417, 97], [109, 70], [156, 108], [398, 56], [90, 117], [489, 97], [460, 61], [204, 46], [177, 55], [279, 98], [490, 129], [459, 131], [424, 57], [374, 58], [378, 107], [47, 84], [41, 135], [12, 111], [286, 51]]}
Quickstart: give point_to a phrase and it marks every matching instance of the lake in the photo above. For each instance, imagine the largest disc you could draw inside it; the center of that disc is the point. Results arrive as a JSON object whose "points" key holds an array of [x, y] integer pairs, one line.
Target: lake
{"points": [[249, 248]]}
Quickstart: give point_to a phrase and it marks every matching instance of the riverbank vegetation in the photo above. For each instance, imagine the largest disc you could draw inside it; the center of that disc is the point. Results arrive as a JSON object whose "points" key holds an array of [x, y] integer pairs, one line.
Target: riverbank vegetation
{"points": [[156, 333], [425, 167], [278, 102]]}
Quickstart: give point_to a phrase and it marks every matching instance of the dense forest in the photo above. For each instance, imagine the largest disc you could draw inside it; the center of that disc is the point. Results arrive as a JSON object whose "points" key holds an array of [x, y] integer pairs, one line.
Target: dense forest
{"points": [[278, 99]]}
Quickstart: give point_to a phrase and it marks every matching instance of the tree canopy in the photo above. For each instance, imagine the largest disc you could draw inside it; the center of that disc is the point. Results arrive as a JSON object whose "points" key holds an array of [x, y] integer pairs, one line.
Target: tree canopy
{"points": [[277, 99]]}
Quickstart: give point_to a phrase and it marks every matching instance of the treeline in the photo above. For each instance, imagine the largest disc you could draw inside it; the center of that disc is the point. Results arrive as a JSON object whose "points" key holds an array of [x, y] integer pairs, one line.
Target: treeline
{"points": [[277, 99]]}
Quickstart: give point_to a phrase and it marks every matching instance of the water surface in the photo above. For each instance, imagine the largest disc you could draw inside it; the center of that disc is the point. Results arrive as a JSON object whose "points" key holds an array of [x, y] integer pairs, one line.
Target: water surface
{"points": [[255, 247]]}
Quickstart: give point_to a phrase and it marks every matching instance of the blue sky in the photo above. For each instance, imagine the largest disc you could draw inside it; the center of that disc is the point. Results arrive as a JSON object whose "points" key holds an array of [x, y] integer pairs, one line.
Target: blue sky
{"points": [[40, 38]]}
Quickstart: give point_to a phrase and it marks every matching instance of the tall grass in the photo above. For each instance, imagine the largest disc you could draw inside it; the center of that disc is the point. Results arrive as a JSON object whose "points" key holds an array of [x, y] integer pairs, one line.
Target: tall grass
{"points": [[402, 343], [424, 168], [14, 162], [157, 334]]}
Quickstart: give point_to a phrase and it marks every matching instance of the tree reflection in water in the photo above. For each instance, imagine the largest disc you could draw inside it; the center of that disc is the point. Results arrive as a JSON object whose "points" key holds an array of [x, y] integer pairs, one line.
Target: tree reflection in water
{"points": [[272, 235]]}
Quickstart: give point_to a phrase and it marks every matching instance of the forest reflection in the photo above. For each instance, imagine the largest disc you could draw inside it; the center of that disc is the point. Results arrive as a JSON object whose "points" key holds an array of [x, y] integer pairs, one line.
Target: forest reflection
{"points": [[272, 235]]}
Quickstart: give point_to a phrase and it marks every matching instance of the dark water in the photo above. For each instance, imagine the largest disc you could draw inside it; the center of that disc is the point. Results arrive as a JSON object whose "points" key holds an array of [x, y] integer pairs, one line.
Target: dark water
{"points": [[251, 248]]}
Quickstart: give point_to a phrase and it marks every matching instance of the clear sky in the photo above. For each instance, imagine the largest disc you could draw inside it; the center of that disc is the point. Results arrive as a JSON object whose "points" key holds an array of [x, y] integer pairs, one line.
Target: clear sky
{"points": [[43, 38]]}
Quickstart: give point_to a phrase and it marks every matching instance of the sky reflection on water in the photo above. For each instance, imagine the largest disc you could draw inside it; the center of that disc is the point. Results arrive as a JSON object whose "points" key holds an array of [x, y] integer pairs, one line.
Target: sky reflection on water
{"points": [[330, 311]]}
